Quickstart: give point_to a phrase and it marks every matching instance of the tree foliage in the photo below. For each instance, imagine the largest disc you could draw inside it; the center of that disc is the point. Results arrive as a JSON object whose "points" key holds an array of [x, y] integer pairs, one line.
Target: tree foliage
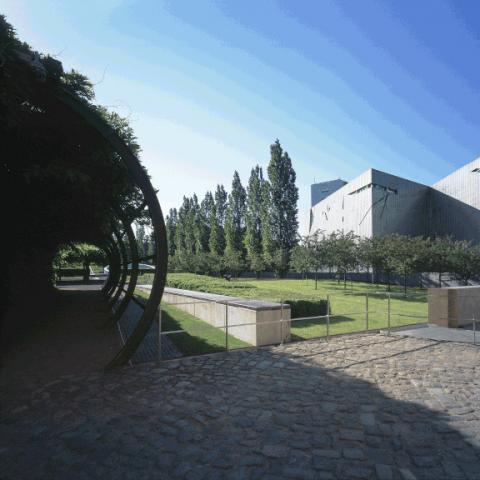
{"points": [[242, 229], [254, 221], [283, 205], [62, 182]]}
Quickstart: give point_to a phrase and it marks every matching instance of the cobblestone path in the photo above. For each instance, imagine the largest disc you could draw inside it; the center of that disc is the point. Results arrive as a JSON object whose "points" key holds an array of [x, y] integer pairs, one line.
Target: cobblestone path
{"points": [[359, 407]]}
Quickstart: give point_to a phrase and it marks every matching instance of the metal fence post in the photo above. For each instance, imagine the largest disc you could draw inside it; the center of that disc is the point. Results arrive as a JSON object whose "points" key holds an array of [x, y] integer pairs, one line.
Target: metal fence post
{"points": [[474, 330], [159, 315], [281, 321], [366, 312], [389, 310], [226, 327], [328, 317]]}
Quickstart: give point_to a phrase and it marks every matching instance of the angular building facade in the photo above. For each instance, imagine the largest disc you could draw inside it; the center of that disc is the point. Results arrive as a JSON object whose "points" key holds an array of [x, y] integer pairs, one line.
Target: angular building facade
{"points": [[322, 190], [377, 203]]}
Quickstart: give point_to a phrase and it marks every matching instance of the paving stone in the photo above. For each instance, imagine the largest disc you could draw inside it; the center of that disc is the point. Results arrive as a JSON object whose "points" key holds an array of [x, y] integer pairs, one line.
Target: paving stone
{"points": [[353, 453], [275, 451], [368, 419], [327, 453], [358, 407], [251, 460], [384, 472], [406, 474]]}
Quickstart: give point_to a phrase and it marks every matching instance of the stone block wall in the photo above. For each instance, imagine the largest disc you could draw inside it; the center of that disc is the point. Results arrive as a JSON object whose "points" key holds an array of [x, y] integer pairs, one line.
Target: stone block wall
{"points": [[453, 307], [253, 321]]}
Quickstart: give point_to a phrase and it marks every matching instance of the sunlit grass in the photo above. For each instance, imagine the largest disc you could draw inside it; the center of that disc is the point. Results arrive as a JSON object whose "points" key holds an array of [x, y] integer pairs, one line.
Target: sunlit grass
{"points": [[199, 336], [347, 306]]}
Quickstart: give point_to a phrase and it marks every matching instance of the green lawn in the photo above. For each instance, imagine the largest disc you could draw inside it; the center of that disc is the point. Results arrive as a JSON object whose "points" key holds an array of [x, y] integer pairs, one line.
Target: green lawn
{"points": [[199, 336], [347, 307]]}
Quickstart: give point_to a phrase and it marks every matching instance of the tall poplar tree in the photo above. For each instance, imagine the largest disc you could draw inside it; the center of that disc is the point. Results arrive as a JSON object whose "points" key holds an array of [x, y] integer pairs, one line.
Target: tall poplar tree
{"points": [[253, 221], [221, 204], [220, 212], [235, 226], [197, 225], [283, 208], [207, 209], [268, 245], [184, 235]]}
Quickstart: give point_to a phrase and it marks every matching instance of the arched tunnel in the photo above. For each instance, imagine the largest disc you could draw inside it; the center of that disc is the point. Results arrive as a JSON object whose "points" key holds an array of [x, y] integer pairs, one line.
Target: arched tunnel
{"points": [[69, 173]]}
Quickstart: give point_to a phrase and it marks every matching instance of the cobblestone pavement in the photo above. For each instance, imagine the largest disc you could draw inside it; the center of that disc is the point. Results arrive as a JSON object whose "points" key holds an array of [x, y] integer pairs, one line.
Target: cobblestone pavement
{"points": [[367, 406]]}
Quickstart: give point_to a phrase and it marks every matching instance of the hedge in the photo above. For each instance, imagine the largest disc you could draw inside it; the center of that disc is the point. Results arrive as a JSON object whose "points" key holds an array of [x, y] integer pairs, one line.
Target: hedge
{"points": [[307, 308]]}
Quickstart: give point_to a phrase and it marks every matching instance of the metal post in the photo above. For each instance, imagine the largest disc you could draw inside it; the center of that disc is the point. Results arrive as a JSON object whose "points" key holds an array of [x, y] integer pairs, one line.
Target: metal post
{"points": [[366, 311], [328, 317], [281, 321], [388, 315], [474, 330], [226, 327], [159, 315]]}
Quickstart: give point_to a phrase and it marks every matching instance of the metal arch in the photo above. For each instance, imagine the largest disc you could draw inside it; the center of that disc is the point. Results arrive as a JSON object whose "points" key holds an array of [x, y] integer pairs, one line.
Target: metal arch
{"points": [[124, 269], [114, 270], [111, 255], [141, 179], [132, 283]]}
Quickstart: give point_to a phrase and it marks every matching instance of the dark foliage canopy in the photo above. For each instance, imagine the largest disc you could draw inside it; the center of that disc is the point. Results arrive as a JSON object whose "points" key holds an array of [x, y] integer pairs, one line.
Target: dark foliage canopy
{"points": [[60, 181]]}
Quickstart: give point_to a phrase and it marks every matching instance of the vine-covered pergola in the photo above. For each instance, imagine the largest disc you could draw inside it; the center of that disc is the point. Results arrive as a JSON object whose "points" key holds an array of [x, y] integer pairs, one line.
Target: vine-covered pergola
{"points": [[69, 173]]}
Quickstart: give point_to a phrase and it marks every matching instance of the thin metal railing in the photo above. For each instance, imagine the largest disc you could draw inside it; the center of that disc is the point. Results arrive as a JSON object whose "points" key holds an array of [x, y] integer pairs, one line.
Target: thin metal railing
{"points": [[227, 326]]}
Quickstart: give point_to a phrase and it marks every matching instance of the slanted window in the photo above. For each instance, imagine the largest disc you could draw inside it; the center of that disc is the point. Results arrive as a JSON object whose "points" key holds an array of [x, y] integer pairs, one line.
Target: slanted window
{"points": [[376, 186]]}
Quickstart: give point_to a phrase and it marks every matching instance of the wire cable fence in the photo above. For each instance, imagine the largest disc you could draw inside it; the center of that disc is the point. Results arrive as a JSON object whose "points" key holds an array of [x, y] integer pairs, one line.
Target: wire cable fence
{"points": [[370, 313]]}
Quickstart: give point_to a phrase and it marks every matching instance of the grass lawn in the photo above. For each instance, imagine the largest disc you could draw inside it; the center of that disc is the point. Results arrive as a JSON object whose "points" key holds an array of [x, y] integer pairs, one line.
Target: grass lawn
{"points": [[348, 307], [200, 337]]}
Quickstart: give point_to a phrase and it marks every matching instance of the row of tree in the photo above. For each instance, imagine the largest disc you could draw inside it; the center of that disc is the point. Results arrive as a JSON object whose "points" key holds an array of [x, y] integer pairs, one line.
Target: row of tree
{"points": [[252, 228], [390, 255]]}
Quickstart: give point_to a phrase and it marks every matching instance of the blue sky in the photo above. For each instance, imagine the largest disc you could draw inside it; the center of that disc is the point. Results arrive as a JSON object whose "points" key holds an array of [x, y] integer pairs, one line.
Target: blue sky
{"points": [[209, 85]]}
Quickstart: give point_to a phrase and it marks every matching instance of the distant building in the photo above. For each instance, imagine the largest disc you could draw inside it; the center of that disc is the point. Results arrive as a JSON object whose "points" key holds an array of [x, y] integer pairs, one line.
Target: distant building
{"points": [[377, 203]]}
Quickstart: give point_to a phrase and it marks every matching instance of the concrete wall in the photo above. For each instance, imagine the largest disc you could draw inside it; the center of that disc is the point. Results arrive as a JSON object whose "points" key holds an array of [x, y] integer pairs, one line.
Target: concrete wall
{"points": [[453, 306], [214, 309]]}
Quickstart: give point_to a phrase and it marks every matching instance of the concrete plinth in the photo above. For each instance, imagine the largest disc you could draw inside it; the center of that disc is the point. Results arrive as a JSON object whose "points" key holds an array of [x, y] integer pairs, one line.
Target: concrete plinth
{"points": [[261, 318], [453, 306]]}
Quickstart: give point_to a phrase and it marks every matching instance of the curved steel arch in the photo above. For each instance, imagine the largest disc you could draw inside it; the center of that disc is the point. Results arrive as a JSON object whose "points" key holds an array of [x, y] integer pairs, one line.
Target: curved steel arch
{"points": [[112, 255], [113, 271], [141, 179], [132, 283], [117, 291]]}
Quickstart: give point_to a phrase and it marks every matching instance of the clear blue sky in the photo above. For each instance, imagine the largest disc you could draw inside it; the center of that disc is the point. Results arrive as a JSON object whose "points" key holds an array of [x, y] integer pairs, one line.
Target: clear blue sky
{"points": [[208, 85]]}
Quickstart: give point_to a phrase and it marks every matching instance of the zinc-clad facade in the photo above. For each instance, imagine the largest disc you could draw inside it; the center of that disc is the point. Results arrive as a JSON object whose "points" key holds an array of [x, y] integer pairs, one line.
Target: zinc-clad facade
{"points": [[319, 191], [377, 203]]}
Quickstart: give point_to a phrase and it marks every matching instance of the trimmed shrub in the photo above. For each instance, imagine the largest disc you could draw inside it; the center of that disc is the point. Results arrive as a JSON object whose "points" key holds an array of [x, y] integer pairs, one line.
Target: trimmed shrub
{"points": [[307, 308]]}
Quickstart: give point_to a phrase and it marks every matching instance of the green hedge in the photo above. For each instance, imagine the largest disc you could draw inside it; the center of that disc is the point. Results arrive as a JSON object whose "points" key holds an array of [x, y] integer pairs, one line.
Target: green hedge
{"points": [[307, 308], [200, 283]]}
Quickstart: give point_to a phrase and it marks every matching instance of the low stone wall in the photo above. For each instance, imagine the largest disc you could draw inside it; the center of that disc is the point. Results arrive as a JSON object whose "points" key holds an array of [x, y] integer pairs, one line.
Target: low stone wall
{"points": [[453, 306], [216, 309]]}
